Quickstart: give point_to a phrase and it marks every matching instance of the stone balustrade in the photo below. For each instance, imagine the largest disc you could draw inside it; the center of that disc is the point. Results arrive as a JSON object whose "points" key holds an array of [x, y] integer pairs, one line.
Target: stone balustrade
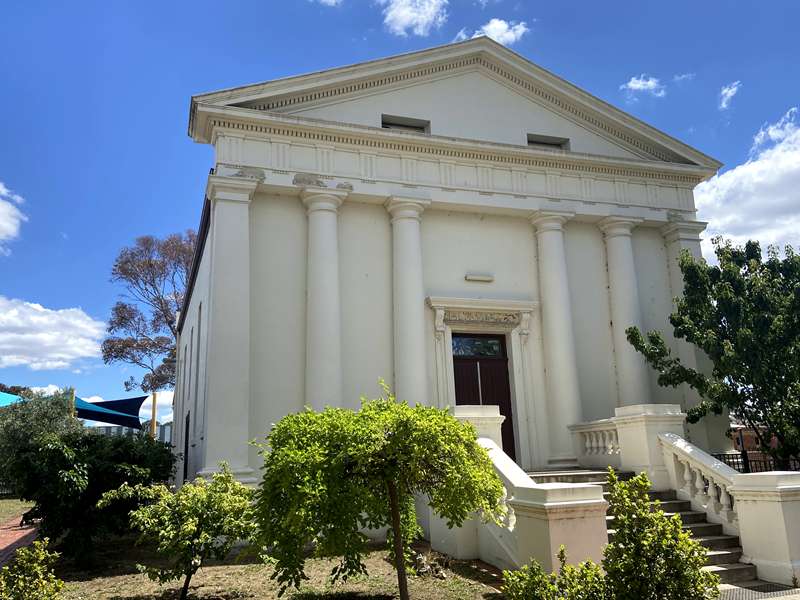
{"points": [[702, 479], [596, 443]]}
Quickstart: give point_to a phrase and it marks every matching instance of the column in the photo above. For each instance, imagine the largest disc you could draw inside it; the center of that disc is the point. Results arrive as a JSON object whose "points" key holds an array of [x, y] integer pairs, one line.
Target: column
{"points": [[323, 305], [228, 363], [564, 402], [632, 377], [410, 355], [680, 236]]}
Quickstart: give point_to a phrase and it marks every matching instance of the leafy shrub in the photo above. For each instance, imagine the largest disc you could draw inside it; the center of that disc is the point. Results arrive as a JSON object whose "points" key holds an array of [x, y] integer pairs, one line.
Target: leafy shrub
{"points": [[201, 520], [650, 557], [30, 575], [66, 474], [582, 582], [24, 422], [330, 474]]}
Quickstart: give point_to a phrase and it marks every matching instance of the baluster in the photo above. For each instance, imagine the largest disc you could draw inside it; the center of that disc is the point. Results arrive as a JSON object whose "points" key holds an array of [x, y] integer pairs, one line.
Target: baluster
{"points": [[606, 442], [687, 480], [587, 443], [713, 496], [700, 486], [727, 509], [595, 442], [614, 442]]}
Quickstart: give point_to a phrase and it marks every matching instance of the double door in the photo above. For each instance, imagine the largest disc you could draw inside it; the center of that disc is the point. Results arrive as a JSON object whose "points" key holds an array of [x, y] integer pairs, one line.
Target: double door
{"points": [[480, 365]]}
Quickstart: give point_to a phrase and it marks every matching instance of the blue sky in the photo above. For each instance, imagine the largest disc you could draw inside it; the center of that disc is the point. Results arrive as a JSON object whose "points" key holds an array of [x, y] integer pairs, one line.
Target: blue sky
{"points": [[93, 114]]}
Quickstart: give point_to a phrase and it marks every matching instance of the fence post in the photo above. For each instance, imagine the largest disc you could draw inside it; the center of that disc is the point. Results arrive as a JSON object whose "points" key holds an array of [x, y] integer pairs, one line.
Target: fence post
{"points": [[743, 451]]}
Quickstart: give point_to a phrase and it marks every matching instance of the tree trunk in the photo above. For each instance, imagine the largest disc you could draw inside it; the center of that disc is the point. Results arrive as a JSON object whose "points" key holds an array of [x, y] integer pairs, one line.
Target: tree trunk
{"points": [[399, 555], [185, 589]]}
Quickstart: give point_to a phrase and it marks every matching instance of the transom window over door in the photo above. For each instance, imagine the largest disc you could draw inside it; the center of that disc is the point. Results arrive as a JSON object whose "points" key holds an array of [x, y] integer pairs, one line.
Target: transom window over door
{"points": [[480, 365]]}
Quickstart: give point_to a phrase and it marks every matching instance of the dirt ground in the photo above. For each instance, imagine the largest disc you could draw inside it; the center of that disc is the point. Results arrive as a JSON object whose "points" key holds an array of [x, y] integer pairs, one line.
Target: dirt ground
{"points": [[247, 579]]}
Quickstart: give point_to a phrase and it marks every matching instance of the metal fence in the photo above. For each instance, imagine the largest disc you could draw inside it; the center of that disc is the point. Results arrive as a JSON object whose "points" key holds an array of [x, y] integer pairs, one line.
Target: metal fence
{"points": [[754, 462], [163, 434]]}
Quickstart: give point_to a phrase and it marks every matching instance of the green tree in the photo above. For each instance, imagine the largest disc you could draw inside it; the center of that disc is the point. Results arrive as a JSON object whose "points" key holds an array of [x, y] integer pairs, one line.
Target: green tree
{"points": [[328, 475], [744, 314], [582, 582], [30, 575], [142, 329], [199, 521]]}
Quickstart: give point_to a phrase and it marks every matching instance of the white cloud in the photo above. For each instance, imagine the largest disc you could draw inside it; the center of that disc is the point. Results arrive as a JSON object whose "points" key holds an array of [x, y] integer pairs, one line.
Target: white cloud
{"points": [[644, 84], [43, 338], [330, 2], [418, 16], [163, 407], [727, 93], [681, 77], [461, 35], [11, 217], [503, 32], [759, 199], [47, 390]]}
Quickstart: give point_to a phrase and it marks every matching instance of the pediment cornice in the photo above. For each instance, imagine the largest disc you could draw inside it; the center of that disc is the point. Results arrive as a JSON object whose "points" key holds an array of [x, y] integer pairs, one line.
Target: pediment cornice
{"points": [[213, 121], [482, 54]]}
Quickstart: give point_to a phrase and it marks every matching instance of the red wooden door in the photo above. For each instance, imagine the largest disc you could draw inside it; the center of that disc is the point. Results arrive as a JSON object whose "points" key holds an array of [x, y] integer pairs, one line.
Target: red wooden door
{"points": [[480, 366]]}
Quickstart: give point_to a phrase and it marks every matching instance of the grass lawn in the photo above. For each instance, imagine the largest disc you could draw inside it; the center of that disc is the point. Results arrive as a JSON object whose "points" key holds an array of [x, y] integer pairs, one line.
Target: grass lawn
{"points": [[11, 507], [119, 580]]}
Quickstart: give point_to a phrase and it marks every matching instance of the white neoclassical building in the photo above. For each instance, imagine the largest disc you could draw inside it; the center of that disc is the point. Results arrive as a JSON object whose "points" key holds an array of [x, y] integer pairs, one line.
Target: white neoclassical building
{"points": [[457, 221]]}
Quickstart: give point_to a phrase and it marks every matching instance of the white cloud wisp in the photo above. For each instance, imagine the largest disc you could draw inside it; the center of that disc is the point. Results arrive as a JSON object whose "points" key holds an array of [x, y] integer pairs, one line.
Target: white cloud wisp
{"points": [[644, 84], [416, 16], [727, 93], [11, 217]]}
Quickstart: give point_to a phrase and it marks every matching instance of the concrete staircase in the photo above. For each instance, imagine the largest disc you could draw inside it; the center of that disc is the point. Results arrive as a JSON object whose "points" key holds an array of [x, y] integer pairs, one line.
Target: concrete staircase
{"points": [[723, 551]]}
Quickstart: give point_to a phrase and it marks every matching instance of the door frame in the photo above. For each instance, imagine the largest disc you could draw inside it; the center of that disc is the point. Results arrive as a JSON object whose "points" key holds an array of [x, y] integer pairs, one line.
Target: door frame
{"points": [[516, 320]]}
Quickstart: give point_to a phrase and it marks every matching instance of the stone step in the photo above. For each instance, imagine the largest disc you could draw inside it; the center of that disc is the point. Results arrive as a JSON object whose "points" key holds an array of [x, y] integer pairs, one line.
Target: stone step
{"points": [[575, 476], [718, 542], [724, 556], [688, 516], [675, 506], [733, 572], [703, 529]]}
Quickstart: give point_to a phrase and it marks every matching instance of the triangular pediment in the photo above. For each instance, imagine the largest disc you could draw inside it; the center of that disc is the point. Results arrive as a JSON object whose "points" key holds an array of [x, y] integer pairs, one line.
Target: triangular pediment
{"points": [[476, 90]]}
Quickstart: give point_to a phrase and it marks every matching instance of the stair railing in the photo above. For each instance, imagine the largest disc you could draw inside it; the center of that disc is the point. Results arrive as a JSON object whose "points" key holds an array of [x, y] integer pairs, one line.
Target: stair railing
{"points": [[596, 443], [702, 480]]}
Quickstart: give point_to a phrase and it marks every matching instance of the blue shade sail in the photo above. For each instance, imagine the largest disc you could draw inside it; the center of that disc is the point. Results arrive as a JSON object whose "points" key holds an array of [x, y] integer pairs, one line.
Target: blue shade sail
{"points": [[114, 412], [6, 399]]}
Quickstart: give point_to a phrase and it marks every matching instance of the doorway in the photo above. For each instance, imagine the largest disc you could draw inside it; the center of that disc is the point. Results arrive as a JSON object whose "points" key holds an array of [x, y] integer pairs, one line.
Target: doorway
{"points": [[480, 367]]}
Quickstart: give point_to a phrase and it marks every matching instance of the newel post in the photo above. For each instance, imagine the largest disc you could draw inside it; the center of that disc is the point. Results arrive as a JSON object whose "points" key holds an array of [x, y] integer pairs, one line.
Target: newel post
{"points": [[638, 427]]}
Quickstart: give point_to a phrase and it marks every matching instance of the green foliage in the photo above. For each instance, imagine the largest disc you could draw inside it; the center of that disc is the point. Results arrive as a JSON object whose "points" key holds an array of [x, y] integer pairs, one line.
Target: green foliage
{"points": [[745, 316], [650, 557], [330, 474], [65, 475], [30, 575], [582, 582], [24, 422], [200, 520]]}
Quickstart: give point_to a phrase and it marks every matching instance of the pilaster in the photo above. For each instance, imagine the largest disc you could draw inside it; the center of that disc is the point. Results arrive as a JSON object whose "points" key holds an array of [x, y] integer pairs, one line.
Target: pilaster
{"points": [[228, 366]]}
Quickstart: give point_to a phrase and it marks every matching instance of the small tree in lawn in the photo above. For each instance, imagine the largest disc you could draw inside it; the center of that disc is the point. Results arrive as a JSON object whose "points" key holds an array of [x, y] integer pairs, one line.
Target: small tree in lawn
{"points": [[330, 474], [744, 314], [199, 521]]}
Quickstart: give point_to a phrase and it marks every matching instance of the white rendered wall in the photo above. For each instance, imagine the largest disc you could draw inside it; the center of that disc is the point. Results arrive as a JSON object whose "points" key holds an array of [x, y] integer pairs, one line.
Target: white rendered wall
{"points": [[192, 384], [588, 285], [496, 114], [278, 311]]}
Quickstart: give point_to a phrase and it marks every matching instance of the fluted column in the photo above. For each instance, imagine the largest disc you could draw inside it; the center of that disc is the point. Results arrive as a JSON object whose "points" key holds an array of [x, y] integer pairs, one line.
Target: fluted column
{"points": [[564, 402], [323, 305], [410, 356], [632, 381]]}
